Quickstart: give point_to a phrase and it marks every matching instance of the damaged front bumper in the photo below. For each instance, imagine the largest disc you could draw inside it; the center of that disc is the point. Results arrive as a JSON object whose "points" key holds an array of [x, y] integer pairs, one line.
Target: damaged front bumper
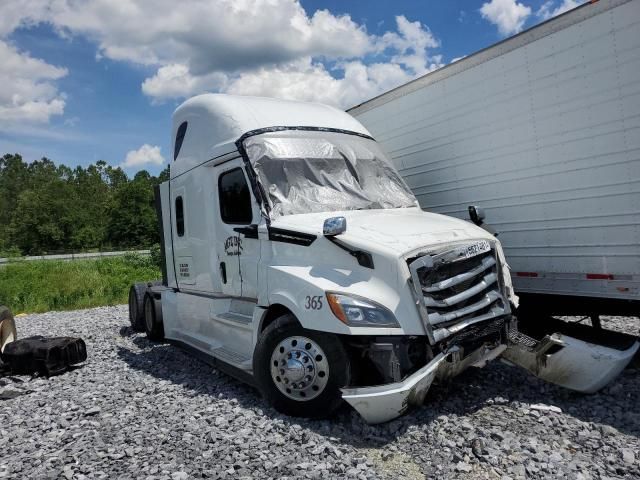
{"points": [[382, 403], [574, 356]]}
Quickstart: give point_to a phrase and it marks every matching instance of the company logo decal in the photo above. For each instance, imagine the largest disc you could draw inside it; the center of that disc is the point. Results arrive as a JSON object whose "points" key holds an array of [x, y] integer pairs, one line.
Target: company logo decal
{"points": [[233, 246]]}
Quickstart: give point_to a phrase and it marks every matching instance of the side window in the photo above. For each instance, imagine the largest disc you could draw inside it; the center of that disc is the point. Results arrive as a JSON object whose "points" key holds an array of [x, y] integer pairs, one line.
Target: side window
{"points": [[182, 130], [234, 197], [179, 217]]}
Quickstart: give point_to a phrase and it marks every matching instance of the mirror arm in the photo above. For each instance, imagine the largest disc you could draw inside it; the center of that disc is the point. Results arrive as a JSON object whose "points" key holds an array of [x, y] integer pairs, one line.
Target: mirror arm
{"points": [[364, 258]]}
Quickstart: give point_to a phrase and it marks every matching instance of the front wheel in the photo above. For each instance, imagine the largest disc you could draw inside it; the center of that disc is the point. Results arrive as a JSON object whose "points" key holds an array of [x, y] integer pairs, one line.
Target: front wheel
{"points": [[300, 372]]}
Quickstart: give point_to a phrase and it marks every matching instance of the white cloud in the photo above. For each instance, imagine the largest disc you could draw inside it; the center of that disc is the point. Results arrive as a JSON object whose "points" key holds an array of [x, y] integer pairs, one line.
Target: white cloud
{"points": [[310, 81], [145, 155], [14, 14], [175, 81], [210, 35], [28, 94], [411, 43], [546, 11], [346, 83], [508, 15], [263, 47]]}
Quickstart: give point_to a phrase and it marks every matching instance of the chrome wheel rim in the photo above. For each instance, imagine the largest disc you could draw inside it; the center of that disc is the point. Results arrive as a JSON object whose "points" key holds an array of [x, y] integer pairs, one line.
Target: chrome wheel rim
{"points": [[299, 368]]}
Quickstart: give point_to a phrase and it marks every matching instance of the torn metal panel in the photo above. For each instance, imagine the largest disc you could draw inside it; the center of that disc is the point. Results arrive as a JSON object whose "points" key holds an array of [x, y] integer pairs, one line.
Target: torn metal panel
{"points": [[382, 403], [568, 361]]}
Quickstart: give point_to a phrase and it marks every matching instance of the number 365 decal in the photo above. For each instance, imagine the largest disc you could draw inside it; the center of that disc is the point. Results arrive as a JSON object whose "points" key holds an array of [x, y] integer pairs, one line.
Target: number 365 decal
{"points": [[313, 302]]}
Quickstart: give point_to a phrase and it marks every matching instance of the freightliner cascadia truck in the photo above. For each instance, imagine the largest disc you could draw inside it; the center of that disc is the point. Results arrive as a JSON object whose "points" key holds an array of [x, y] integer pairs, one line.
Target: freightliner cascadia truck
{"points": [[297, 259]]}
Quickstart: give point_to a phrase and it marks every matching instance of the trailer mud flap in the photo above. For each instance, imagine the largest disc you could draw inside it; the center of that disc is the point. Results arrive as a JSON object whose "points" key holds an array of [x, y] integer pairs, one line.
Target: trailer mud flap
{"points": [[574, 356]]}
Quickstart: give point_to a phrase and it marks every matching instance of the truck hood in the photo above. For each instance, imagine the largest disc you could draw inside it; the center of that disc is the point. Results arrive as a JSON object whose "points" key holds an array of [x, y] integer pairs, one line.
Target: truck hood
{"points": [[400, 229]]}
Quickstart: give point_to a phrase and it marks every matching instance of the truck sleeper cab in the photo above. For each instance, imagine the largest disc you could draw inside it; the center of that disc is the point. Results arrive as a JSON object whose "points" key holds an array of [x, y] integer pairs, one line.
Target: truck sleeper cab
{"points": [[297, 258]]}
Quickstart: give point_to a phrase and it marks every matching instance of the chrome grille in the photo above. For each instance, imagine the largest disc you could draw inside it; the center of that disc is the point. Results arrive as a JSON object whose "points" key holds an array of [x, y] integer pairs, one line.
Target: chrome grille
{"points": [[455, 292]]}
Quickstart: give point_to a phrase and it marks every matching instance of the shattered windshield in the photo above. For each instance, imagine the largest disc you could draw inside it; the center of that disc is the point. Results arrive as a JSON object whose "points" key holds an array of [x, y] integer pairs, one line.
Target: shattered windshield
{"points": [[319, 171]]}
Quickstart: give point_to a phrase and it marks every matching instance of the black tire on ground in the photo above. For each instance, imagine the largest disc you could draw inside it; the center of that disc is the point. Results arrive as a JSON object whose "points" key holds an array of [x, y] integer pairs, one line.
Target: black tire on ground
{"points": [[153, 325], [339, 369], [136, 306], [8, 331], [136, 303]]}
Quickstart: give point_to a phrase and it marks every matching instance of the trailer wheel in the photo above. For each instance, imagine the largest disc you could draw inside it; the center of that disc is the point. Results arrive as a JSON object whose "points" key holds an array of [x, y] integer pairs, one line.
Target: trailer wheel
{"points": [[153, 325], [136, 306], [300, 372], [8, 331]]}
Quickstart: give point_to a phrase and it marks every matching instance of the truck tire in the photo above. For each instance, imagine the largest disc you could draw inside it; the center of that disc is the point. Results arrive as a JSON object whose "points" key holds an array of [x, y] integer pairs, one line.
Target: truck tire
{"points": [[300, 372], [136, 306], [8, 331], [153, 325]]}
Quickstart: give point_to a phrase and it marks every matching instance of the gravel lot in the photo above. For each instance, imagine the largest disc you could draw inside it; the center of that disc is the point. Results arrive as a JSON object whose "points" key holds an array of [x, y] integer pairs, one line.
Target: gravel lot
{"points": [[144, 410]]}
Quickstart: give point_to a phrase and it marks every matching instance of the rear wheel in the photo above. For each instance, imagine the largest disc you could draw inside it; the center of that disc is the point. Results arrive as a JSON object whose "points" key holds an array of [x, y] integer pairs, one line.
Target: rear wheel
{"points": [[136, 306], [136, 303], [300, 372], [153, 325], [8, 331]]}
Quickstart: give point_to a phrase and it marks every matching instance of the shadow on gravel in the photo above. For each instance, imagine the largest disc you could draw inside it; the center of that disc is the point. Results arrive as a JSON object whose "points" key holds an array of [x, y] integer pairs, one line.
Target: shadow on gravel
{"points": [[126, 331], [498, 390]]}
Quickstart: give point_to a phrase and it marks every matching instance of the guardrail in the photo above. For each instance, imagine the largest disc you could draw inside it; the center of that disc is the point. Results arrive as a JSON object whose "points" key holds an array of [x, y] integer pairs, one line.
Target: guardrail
{"points": [[72, 256]]}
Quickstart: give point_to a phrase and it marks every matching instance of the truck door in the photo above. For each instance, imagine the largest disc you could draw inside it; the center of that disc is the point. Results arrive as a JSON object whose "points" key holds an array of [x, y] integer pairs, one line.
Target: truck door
{"points": [[235, 211]]}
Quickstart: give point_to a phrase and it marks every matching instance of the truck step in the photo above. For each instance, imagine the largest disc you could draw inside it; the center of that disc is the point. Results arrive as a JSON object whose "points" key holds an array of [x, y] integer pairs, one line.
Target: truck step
{"points": [[232, 357], [235, 317]]}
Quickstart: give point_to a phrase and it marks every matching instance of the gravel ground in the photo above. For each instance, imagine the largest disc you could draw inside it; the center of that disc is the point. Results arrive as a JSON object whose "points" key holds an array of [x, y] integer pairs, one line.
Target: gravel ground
{"points": [[144, 410]]}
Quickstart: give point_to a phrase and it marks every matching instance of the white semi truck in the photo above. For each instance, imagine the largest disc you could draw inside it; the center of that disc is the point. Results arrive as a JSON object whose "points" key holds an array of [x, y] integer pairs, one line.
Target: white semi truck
{"points": [[297, 259], [542, 131]]}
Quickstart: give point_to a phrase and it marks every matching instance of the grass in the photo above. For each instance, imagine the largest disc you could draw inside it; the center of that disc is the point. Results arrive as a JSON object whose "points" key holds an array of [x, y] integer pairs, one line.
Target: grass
{"points": [[42, 286]]}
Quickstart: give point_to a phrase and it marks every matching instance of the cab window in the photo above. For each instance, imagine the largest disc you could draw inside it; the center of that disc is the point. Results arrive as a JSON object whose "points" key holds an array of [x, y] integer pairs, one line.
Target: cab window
{"points": [[182, 130], [179, 217], [234, 197]]}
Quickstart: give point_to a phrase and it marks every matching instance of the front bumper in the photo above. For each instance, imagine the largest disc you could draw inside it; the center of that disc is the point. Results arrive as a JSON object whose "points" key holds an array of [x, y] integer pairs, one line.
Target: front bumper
{"points": [[571, 362], [382, 403]]}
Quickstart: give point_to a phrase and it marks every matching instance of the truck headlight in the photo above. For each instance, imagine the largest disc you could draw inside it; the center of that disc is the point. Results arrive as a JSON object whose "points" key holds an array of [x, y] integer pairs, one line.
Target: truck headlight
{"points": [[358, 312]]}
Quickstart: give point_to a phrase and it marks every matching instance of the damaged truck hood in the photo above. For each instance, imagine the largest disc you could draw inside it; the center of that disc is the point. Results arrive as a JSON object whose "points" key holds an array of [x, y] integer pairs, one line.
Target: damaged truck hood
{"points": [[399, 230]]}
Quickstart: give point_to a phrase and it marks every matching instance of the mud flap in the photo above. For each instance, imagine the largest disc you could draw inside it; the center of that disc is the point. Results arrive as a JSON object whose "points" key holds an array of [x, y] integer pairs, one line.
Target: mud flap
{"points": [[575, 356]]}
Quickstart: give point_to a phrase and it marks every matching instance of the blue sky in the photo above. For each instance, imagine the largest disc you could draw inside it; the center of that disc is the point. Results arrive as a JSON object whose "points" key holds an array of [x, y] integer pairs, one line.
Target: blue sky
{"points": [[99, 80]]}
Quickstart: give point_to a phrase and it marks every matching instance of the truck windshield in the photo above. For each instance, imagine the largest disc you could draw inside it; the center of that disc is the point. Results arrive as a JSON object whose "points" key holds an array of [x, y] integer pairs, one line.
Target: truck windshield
{"points": [[319, 171]]}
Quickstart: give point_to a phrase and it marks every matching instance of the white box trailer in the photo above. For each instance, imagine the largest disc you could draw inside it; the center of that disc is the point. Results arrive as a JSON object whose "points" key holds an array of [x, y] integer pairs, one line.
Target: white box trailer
{"points": [[296, 258], [542, 131]]}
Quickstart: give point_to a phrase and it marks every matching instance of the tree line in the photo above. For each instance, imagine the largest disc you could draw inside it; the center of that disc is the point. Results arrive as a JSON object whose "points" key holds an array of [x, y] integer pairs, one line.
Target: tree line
{"points": [[49, 208]]}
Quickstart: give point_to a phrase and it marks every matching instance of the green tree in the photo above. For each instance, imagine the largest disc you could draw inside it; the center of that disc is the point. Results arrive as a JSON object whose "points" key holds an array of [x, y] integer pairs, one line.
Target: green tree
{"points": [[46, 207], [132, 217], [13, 178]]}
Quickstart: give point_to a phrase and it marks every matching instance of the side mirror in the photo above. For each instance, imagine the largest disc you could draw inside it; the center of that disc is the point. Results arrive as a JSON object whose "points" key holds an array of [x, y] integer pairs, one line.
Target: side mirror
{"points": [[334, 226], [476, 214]]}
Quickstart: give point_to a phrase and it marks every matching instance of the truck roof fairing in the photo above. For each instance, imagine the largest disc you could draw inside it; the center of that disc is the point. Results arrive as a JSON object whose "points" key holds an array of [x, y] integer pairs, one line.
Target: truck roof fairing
{"points": [[216, 121]]}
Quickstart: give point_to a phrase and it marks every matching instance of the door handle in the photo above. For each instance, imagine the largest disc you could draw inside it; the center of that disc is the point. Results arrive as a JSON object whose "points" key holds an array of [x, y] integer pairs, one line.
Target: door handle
{"points": [[223, 272]]}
